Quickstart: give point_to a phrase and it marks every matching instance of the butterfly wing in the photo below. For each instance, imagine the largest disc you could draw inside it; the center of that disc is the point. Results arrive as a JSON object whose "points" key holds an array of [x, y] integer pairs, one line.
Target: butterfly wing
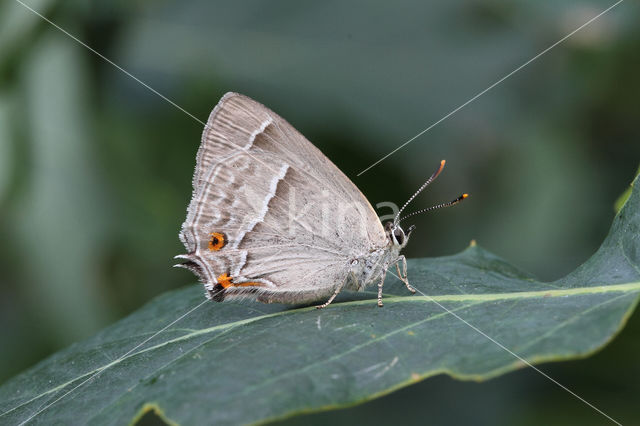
{"points": [[270, 214]]}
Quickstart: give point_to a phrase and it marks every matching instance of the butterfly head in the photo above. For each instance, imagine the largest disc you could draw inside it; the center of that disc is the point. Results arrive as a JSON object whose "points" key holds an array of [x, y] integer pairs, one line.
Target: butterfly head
{"points": [[398, 236]]}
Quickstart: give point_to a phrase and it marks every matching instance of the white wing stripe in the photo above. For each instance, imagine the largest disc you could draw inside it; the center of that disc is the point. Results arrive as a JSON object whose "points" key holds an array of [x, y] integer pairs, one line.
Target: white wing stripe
{"points": [[255, 134], [265, 204]]}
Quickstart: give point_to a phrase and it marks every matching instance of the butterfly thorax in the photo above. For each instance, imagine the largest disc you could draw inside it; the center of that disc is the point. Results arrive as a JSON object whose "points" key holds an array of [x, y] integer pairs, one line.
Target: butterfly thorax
{"points": [[369, 268], [372, 266]]}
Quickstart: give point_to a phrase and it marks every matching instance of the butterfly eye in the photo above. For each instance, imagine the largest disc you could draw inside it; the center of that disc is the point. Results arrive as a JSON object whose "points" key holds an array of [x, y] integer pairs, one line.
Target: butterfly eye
{"points": [[399, 235]]}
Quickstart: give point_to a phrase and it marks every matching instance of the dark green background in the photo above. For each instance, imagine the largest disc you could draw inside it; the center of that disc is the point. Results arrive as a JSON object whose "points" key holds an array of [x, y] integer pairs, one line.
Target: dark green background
{"points": [[95, 170]]}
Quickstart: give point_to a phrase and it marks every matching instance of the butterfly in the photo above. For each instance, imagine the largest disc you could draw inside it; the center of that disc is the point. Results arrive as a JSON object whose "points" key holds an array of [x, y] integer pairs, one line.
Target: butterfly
{"points": [[272, 218]]}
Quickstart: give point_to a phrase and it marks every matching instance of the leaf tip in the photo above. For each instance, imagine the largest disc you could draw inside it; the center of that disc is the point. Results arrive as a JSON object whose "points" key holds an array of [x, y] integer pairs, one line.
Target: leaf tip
{"points": [[154, 409], [622, 199]]}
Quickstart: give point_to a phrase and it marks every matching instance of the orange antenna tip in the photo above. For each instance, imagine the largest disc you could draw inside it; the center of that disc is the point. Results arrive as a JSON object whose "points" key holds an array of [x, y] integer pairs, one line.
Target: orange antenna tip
{"points": [[464, 196]]}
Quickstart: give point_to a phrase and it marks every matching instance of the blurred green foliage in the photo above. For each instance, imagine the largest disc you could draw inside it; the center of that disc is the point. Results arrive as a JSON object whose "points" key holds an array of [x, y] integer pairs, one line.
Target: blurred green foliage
{"points": [[95, 170]]}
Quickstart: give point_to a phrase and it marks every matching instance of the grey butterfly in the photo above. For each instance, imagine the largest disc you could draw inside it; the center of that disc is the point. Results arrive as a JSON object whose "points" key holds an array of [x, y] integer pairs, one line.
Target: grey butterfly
{"points": [[272, 218]]}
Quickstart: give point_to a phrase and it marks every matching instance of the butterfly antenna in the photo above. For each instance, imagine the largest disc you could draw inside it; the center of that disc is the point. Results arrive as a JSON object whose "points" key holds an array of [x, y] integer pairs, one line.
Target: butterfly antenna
{"points": [[439, 206], [424, 185]]}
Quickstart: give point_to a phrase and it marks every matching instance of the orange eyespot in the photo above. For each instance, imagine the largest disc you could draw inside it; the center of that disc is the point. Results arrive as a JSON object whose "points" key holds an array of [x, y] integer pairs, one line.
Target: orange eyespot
{"points": [[216, 241], [226, 281]]}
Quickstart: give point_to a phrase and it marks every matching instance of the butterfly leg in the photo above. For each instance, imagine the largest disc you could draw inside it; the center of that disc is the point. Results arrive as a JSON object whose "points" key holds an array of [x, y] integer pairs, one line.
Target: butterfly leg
{"points": [[380, 284], [403, 275], [333, 296]]}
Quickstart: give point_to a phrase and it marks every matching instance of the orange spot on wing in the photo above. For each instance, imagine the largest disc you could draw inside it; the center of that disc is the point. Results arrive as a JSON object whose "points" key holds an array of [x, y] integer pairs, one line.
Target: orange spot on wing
{"points": [[217, 240], [226, 281], [248, 284]]}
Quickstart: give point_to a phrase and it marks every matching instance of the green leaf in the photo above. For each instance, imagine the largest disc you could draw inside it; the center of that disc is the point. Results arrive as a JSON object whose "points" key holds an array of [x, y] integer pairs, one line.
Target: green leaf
{"points": [[247, 362]]}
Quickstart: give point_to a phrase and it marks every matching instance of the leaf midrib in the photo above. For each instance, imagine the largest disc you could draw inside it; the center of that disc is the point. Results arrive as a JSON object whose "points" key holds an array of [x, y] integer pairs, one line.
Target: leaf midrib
{"points": [[627, 287], [479, 298]]}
